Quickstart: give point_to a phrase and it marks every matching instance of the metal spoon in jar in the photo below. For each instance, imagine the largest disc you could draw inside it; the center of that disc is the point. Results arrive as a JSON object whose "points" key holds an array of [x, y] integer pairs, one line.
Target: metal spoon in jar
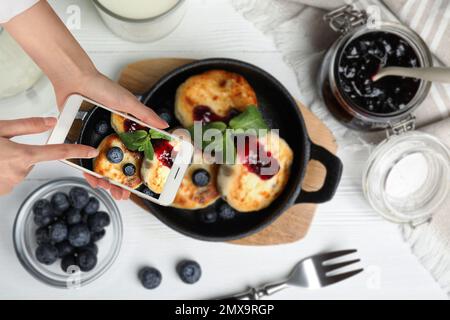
{"points": [[436, 74]]}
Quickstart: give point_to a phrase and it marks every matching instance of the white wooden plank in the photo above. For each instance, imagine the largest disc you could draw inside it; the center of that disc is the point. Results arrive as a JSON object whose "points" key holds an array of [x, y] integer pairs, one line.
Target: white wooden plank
{"points": [[212, 28], [208, 24]]}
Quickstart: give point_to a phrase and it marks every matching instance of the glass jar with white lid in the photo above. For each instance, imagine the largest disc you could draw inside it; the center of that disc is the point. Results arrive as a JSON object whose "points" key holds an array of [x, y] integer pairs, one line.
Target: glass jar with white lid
{"points": [[407, 177]]}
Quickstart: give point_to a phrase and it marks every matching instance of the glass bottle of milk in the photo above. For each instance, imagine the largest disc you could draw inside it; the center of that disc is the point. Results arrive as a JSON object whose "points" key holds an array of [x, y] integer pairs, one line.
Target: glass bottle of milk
{"points": [[17, 71]]}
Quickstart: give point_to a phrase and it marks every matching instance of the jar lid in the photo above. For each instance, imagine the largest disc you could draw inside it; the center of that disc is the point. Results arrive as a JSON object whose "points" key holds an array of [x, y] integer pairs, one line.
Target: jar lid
{"points": [[407, 177]]}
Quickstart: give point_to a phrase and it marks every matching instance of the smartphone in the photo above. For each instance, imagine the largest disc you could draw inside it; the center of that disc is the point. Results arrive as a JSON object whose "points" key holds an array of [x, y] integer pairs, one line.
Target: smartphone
{"points": [[146, 161]]}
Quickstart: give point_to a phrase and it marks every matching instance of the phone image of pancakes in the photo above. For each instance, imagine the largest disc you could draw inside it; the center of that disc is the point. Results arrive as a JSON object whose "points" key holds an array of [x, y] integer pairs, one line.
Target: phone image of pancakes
{"points": [[118, 163], [123, 125], [255, 181], [198, 189], [155, 172], [215, 95]]}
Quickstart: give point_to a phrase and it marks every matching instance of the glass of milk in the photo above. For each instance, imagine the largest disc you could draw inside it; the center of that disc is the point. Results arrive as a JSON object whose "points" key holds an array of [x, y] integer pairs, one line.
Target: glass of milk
{"points": [[17, 71], [141, 20]]}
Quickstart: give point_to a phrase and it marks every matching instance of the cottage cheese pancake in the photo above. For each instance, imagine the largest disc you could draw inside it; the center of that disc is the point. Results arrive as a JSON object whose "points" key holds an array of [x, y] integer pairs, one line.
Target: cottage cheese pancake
{"points": [[198, 189], [246, 185], [215, 95], [118, 163]]}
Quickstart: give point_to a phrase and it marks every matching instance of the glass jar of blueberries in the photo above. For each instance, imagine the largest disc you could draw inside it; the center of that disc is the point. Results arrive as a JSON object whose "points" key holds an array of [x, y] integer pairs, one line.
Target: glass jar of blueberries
{"points": [[406, 178], [346, 84]]}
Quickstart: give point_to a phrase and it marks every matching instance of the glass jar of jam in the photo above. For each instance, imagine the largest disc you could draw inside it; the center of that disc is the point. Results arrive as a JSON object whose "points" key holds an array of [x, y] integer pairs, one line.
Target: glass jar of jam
{"points": [[407, 176], [345, 79]]}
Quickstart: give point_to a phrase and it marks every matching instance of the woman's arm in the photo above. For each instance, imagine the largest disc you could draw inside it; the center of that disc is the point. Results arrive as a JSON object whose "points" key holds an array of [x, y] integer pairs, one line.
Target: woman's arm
{"points": [[51, 45], [46, 39]]}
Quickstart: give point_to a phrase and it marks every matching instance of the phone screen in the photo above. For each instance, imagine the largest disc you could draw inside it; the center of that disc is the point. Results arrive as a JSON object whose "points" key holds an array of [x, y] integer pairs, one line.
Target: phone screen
{"points": [[146, 161]]}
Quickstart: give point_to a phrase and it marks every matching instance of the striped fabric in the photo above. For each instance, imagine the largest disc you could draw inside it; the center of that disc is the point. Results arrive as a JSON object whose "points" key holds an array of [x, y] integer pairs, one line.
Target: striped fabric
{"points": [[301, 35], [298, 29], [430, 19]]}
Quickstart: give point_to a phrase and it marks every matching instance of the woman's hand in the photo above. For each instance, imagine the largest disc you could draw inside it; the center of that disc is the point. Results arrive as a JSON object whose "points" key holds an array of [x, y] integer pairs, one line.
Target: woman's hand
{"points": [[51, 45], [16, 160], [106, 92]]}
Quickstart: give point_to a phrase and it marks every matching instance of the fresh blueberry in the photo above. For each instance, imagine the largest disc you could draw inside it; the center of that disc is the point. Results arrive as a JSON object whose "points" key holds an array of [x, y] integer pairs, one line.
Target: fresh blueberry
{"points": [[91, 247], [42, 236], [150, 277], [42, 206], [129, 170], [166, 115], [79, 197], [58, 232], [46, 254], [92, 206], [115, 155], [97, 236], [43, 213], [64, 248], [86, 260], [209, 217], [43, 221], [98, 221], [201, 178], [226, 212], [60, 202], [189, 271], [68, 261], [73, 216], [79, 235], [102, 127]]}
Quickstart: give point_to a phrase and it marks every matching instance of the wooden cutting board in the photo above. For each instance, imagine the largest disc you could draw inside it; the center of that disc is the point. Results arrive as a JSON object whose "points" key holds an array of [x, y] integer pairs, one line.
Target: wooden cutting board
{"points": [[293, 225]]}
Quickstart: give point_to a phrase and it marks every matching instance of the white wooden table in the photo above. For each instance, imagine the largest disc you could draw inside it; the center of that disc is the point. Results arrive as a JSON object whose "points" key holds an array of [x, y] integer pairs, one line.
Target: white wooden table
{"points": [[212, 28]]}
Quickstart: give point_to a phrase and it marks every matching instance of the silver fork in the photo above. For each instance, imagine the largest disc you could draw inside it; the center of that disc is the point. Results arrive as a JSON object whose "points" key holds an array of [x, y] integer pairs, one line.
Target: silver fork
{"points": [[310, 273]]}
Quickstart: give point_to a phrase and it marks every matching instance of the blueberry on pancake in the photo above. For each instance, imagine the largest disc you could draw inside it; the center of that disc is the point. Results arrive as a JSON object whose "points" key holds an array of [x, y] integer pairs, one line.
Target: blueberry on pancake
{"points": [[259, 175], [198, 189], [215, 95], [118, 163]]}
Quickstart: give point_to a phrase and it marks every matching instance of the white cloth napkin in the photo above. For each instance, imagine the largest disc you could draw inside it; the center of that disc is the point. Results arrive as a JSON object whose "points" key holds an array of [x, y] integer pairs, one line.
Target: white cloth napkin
{"points": [[298, 29]]}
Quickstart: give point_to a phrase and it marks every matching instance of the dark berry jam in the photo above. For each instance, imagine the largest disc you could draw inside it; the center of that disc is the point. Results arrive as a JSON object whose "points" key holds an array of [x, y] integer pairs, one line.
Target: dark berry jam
{"points": [[131, 126], [257, 160], [204, 114], [163, 151], [361, 60]]}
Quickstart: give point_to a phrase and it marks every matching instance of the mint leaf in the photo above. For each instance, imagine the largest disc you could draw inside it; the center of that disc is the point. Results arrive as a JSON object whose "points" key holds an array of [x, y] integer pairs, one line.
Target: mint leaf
{"points": [[251, 118], [159, 135], [222, 149], [148, 149], [218, 125], [133, 140]]}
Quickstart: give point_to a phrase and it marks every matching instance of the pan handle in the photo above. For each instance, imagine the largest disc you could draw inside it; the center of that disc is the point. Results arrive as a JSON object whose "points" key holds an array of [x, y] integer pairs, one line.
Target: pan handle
{"points": [[334, 169]]}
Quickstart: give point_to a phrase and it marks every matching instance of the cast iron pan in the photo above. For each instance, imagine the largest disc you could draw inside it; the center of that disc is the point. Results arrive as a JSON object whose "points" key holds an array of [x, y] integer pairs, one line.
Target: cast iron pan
{"points": [[280, 111]]}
